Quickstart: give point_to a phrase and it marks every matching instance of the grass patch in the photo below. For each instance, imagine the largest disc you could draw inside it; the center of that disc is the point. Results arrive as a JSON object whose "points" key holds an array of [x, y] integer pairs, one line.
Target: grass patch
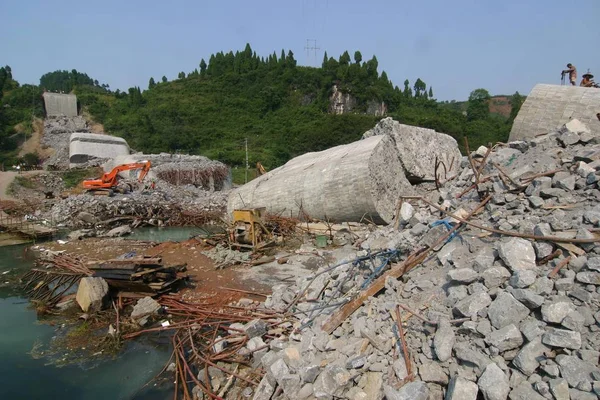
{"points": [[21, 181], [74, 177]]}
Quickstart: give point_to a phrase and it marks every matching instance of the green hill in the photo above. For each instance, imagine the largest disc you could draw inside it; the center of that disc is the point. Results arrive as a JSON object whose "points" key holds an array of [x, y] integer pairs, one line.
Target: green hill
{"points": [[282, 109]]}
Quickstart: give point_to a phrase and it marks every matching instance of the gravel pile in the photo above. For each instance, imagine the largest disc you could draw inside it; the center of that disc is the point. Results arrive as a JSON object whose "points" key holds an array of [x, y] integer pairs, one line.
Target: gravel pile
{"points": [[498, 316], [57, 131]]}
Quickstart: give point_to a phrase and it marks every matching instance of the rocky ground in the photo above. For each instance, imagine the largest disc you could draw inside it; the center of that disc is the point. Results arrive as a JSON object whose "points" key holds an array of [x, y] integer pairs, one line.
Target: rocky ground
{"points": [[57, 131], [492, 315]]}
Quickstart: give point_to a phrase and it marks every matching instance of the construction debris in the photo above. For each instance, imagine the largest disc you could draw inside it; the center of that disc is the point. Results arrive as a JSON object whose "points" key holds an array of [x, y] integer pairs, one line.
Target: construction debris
{"points": [[498, 294], [485, 283], [145, 275]]}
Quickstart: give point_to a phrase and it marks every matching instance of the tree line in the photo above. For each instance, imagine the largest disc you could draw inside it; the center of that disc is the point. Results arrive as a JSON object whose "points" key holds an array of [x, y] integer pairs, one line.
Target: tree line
{"points": [[279, 106]]}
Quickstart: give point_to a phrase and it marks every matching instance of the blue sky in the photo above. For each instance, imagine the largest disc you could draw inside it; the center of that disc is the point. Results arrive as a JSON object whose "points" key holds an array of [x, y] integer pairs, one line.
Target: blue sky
{"points": [[453, 45]]}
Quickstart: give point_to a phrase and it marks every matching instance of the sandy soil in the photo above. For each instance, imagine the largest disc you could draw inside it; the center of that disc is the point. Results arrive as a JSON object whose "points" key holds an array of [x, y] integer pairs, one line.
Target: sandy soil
{"points": [[206, 281]]}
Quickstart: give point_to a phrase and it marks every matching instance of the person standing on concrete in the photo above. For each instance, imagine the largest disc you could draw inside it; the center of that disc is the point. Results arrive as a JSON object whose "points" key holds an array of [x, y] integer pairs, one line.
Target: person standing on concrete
{"points": [[572, 71]]}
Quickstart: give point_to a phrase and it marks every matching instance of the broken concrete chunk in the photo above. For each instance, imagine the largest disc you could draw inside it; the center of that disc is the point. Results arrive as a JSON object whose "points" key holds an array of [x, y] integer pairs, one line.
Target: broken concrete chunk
{"points": [[559, 389], [568, 138], [471, 305], [517, 254], [461, 389], [433, 372], [265, 388], [256, 327], [574, 321], [463, 275], [119, 231], [528, 359], [562, 338], [406, 212], [410, 391], [523, 278], [525, 392], [588, 277], [495, 276], [575, 370], [444, 340], [145, 307], [506, 310], [91, 293], [574, 126], [557, 310], [543, 286], [493, 383], [419, 148], [331, 381], [528, 298], [467, 354], [506, 338]]}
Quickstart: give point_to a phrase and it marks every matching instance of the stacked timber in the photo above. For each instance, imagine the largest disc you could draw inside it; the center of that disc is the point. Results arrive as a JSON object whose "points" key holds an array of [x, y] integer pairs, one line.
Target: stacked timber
{"points": [[140, 274]]}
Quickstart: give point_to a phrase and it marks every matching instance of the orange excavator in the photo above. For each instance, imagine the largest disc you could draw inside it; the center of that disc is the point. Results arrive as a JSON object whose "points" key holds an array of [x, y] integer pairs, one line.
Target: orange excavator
{"points": [[109, 181]]}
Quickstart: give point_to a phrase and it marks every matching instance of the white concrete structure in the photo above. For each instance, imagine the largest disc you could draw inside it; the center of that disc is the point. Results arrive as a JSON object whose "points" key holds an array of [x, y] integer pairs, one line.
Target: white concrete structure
{"points": [[548, 107], [85, 146], [359, 180], [419, 149], [58, 104]]}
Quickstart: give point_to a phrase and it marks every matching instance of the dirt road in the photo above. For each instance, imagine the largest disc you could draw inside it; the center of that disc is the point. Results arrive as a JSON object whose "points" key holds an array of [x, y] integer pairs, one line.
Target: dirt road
{"points": [[6, 179]]}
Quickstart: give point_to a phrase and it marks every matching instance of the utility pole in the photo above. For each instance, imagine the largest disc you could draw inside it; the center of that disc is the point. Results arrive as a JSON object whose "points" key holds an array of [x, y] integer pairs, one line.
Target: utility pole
{"points": [[247, 166], [311, 45]]}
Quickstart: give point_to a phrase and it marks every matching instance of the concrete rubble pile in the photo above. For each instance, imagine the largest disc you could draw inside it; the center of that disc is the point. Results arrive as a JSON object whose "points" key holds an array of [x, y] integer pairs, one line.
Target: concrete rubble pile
{"points": [[155, 207], [351, 182], [486, 315], [57, 131], [192, 171]]}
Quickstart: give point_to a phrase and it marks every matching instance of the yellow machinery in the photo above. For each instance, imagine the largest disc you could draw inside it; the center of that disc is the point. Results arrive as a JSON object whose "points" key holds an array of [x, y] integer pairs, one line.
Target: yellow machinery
{"points": [[248, 229]]}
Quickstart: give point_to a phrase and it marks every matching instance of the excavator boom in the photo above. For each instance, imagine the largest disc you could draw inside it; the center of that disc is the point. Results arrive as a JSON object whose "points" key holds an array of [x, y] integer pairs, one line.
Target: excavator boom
{"points": [[109, 179]]}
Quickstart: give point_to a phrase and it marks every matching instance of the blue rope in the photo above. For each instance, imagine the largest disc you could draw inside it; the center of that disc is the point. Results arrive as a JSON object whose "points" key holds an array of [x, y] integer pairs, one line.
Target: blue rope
{"points": [[448, 226], [386, 259]]}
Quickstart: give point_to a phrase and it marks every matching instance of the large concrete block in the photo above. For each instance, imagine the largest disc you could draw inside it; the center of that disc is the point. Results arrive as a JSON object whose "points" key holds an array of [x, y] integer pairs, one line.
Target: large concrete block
{"points": [[85, 146], [419, 148], [344, 183], [548, 107], [57, 104]]}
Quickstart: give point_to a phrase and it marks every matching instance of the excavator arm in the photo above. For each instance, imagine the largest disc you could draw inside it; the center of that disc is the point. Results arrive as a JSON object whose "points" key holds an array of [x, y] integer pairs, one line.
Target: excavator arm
{"points": [[109, 179]]}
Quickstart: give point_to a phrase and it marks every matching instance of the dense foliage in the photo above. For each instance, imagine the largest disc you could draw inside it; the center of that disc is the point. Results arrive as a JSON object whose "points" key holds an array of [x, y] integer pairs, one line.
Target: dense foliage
{"points": [[280, 109], [65, 81], [19, 105]]}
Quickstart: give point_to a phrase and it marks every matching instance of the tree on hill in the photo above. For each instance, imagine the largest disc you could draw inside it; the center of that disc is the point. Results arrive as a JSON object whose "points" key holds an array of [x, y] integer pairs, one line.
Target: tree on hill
{"points": [[151, 83], [65, 81], [357, 57], [478, 107], [202, 67], [164, 79], [283, 108], [516, 101]]}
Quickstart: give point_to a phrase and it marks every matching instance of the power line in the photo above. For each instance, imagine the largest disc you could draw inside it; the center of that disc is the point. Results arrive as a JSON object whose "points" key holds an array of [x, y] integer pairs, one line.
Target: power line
{"points": [[311, 45]]}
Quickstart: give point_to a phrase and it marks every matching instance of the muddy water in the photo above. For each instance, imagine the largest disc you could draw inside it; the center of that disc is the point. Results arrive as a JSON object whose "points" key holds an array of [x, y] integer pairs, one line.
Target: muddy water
{"points": [[27, 374]]}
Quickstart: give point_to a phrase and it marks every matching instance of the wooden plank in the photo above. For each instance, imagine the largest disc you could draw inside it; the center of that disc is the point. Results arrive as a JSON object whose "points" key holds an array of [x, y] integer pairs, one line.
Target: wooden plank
{"points": [[104, 266], [137, 260], [149, 271], [578, 251]]}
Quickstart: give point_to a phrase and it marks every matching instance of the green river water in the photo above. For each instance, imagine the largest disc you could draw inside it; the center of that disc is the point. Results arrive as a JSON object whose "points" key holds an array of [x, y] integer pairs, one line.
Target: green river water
{"points": [[35, 375]]}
